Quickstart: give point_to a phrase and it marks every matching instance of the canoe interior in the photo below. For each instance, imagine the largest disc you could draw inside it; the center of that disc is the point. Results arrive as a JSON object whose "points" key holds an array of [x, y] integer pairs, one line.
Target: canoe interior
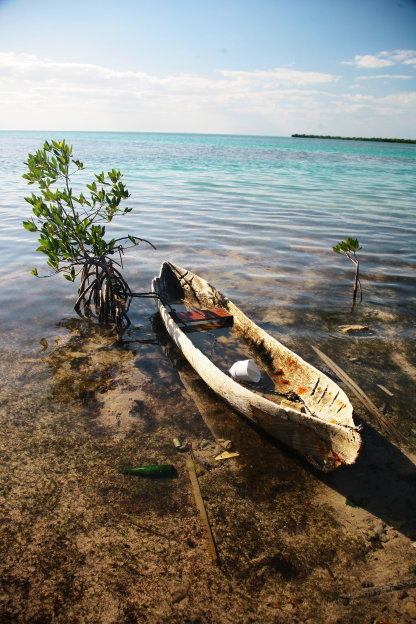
{"points": [[225, 343], [286, 379]]}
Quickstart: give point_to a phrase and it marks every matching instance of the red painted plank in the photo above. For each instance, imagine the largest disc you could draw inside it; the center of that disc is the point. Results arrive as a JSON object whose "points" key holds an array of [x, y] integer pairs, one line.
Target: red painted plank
{"points": [[203, 315]]}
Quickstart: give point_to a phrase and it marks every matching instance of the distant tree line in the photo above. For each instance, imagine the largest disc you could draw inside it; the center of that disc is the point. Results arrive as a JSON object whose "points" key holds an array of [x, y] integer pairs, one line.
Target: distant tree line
{"points": [[340, 138]]}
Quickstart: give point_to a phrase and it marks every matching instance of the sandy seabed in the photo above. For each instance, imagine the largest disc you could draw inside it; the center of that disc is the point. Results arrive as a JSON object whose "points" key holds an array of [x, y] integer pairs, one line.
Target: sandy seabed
{"points": [[84, 544]]}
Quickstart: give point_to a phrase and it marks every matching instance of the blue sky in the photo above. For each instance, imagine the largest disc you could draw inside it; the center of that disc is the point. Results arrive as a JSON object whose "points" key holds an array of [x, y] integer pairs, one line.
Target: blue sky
{"points": [[274, 67]]}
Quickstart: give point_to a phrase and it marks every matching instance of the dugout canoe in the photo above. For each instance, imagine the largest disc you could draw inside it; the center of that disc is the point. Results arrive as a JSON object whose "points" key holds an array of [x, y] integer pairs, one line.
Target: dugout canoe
{"points": [[293, 402]]}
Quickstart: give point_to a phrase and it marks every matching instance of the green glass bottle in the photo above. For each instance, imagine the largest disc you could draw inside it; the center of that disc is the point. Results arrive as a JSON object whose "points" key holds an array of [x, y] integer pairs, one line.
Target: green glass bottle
{"points": [[154, 471]]}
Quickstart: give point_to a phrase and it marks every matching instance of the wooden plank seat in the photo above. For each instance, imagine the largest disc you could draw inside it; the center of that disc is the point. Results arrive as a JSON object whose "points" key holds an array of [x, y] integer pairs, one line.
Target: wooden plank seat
{"points": [[202, 320], [194, 316]]}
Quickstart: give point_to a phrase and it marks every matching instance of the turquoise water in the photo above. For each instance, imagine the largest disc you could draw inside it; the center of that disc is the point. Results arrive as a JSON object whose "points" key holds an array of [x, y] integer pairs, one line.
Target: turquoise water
{"points": [[256, 216]]}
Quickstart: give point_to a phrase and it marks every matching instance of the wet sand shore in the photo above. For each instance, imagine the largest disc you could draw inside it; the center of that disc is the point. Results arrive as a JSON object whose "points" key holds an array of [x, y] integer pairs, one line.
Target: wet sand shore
{"points": [[84, 544]]}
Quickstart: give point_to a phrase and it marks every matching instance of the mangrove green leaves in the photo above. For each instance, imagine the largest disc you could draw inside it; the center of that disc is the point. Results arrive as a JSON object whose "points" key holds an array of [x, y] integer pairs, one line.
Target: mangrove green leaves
{"points": [[348, 248], [72, 230]]}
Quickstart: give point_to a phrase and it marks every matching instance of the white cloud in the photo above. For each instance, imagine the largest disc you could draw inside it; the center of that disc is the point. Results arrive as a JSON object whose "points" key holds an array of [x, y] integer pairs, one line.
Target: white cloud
{"points": [[280, 77], [387, 105], [47, 80], [407, 57], [405, 99], [386, 77], [383, 59], [44, 94], [31, 68], [369, 61]]}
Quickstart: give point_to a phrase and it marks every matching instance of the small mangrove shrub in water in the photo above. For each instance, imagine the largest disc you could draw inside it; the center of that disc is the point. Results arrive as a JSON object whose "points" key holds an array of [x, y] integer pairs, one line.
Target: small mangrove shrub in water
{"points": [[348, 248], [71, 229]]}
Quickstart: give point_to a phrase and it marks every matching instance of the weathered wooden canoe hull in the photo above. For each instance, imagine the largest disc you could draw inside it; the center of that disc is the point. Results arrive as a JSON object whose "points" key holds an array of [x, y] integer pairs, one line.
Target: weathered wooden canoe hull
{"points": [[321, 429]]}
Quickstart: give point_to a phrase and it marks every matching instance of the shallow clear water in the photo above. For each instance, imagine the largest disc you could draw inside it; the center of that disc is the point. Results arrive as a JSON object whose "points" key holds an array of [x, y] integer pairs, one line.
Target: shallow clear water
{"points": [[256, 216]]}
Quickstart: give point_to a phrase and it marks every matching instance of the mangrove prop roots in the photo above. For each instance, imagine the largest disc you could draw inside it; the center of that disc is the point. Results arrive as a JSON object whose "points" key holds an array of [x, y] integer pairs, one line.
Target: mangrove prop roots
{"points": [[103, 294]]}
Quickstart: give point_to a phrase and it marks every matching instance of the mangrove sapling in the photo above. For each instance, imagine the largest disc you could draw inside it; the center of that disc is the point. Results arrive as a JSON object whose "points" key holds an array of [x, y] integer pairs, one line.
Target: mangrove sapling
{"points": [[348, 248], [71, 231]]}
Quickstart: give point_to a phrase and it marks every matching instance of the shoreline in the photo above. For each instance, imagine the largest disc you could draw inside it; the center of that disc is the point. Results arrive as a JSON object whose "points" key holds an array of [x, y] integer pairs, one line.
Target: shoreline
{"points": [[340, 138]]}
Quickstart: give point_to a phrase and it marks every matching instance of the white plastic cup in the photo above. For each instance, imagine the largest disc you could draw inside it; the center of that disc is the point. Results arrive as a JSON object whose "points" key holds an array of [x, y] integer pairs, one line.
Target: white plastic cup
{"points": [[246, 370]]}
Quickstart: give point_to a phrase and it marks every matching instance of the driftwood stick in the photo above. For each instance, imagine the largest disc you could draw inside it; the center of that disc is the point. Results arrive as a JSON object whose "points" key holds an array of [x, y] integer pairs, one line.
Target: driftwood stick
{"points": [[190, 464], [383, 421], [376, 591]]}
